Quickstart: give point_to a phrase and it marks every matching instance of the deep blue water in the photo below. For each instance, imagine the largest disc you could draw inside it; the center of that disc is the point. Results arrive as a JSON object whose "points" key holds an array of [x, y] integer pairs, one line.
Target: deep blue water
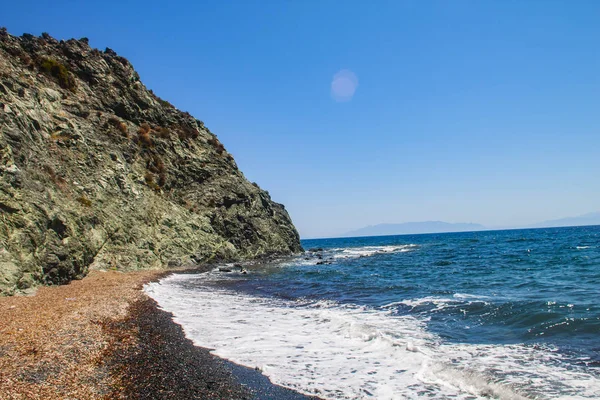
{"points": [[534, 286]]}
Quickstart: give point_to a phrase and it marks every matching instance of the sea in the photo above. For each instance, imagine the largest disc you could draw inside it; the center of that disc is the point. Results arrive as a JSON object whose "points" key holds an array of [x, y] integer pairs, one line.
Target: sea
{"points": [[511, 314]]}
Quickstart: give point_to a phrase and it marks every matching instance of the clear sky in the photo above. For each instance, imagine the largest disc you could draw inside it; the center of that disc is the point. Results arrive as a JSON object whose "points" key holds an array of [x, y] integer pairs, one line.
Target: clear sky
{"points": [[354, 113]]}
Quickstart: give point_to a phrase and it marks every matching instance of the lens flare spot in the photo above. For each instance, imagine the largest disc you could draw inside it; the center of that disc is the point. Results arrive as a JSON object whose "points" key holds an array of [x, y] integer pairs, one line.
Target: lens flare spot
{"points": [[343, 85]]}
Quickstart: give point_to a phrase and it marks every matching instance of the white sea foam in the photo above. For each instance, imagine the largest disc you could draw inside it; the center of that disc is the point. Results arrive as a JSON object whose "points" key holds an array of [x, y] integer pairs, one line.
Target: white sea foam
{"points": [[346, 352], [367, 251], [440, 303], [469, 296], [344, 253]]}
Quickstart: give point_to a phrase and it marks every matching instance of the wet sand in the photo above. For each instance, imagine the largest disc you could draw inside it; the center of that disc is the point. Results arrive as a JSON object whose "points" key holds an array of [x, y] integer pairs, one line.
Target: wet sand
{"points": [[103, 338]]}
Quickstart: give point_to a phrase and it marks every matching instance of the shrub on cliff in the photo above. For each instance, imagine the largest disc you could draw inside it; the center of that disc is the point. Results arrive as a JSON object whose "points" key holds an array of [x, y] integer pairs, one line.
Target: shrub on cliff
{"points": [[217, 145], [119, 125], [144, 135], [156, 164], [187, 132], [149, 179], [83, 200], [163, 133], [51, 67]]}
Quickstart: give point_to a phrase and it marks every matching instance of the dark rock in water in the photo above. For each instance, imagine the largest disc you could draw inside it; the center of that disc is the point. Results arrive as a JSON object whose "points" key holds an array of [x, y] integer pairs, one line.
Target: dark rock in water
{"points": [[98, 172], [225, 270], [238, 266], [315, 250]]}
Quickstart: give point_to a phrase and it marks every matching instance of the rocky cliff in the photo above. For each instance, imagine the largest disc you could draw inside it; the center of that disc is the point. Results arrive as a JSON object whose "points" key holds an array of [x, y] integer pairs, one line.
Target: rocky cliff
{"points": [[98, 172]]}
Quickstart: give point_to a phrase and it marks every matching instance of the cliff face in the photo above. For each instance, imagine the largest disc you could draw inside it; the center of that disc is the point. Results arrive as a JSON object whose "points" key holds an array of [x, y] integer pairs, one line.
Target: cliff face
{"points": [[98, 172]]}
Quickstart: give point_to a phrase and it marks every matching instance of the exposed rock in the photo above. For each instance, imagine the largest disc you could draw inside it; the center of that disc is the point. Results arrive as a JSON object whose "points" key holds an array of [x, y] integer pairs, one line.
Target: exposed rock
{"points": [[98, 172]]}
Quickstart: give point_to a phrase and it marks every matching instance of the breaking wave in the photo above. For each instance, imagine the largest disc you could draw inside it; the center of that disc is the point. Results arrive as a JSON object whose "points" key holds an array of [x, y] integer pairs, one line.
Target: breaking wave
{"points": [[346, 351]]}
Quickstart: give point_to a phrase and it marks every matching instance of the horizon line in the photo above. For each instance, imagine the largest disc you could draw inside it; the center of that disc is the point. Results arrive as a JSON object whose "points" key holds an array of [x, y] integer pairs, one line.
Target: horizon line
{"points": [[452, 232]]}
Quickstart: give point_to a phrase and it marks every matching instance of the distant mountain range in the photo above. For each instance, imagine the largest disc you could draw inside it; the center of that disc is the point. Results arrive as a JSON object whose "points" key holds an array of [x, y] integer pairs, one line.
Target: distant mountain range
{"points": [[440, 226], [414, 227], [586, 219]]}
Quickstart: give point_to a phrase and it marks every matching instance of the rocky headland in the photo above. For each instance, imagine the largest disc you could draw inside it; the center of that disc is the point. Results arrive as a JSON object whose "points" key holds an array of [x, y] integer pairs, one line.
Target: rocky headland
{"points": [[97, 172]]}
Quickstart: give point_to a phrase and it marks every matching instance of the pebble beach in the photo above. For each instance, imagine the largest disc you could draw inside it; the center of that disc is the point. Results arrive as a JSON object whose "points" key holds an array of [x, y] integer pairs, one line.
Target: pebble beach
{"points": [[102, 338]]}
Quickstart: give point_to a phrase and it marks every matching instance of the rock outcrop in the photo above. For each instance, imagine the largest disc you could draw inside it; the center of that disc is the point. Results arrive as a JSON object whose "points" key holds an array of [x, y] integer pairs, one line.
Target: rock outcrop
{"points": [[98, 172]]}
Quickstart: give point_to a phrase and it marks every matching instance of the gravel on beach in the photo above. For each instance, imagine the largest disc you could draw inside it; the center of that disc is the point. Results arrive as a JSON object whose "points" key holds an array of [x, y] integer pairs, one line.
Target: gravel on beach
{"points": [[103, 338]]}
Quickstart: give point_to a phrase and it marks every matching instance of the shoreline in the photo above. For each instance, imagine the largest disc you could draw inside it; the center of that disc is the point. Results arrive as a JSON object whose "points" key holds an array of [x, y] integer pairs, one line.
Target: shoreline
{"points": [[103, 338]]}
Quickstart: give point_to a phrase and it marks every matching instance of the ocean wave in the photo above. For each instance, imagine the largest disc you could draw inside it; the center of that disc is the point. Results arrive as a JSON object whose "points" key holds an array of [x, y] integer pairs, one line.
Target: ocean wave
{"points": [[327, 256], [368, 251], [340, 351], [438, 303]]}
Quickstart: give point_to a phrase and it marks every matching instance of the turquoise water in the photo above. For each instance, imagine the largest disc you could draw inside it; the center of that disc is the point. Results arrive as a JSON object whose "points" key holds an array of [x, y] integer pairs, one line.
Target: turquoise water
{"points": [[460, 315]]}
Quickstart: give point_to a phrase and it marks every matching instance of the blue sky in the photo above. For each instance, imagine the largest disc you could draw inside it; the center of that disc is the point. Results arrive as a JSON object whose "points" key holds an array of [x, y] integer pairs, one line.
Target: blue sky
{"points": [[465, 111]]}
